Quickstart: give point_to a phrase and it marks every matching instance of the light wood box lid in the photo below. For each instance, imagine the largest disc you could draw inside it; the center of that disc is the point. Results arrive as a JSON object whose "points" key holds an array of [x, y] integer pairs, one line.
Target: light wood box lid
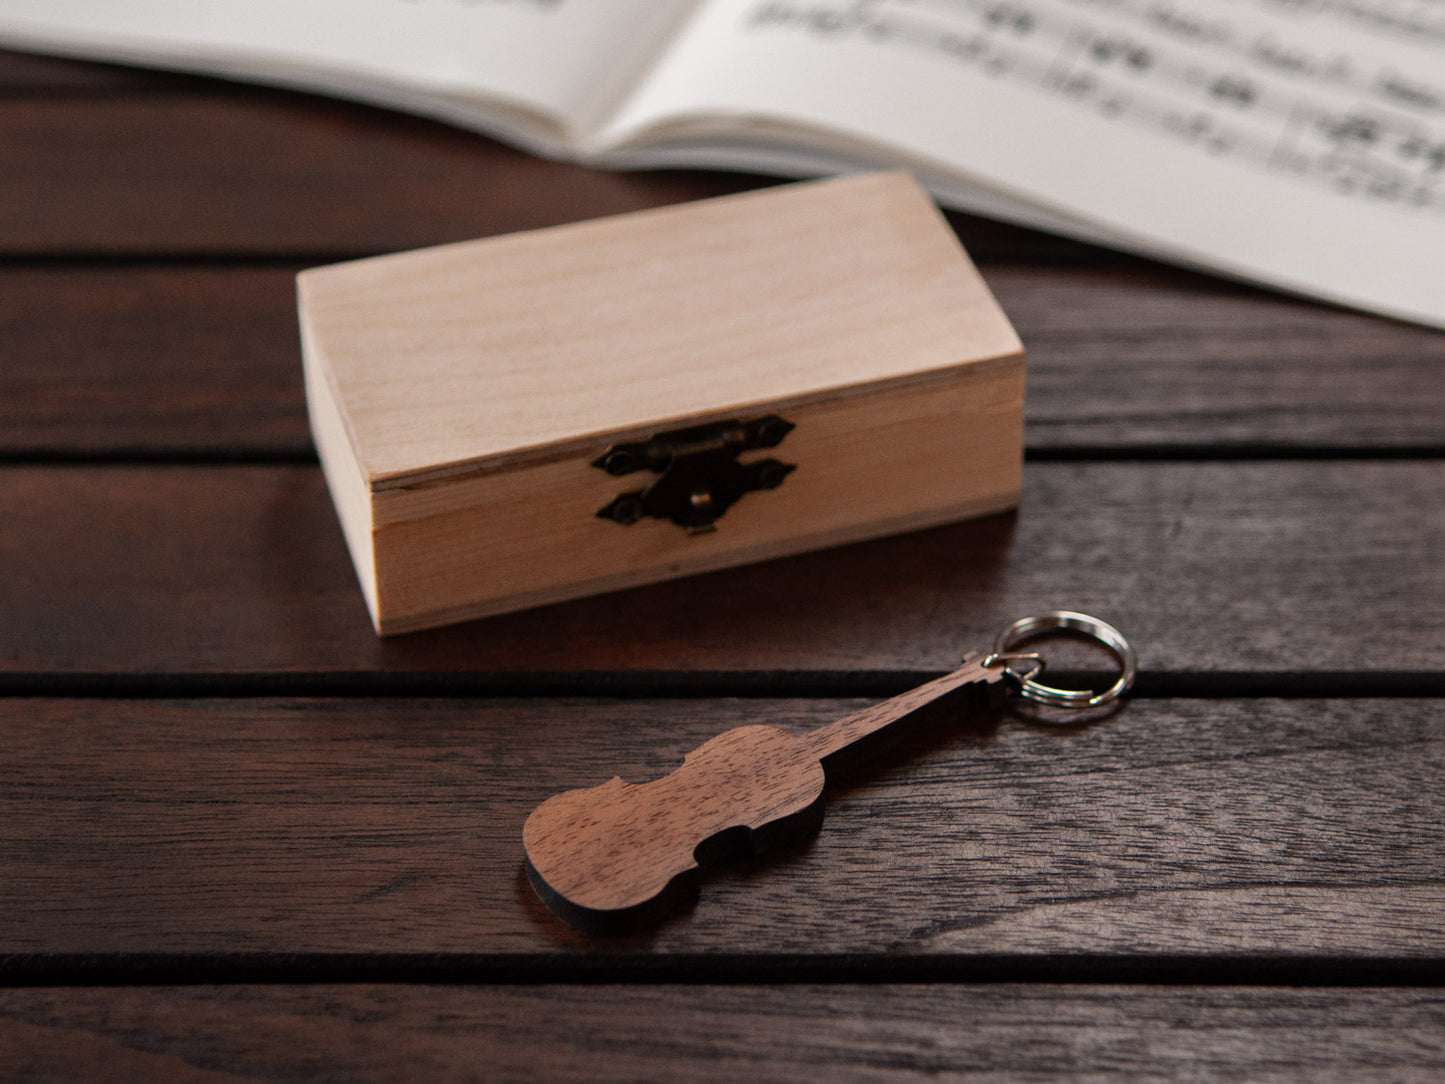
{"points": [[488, 354]]}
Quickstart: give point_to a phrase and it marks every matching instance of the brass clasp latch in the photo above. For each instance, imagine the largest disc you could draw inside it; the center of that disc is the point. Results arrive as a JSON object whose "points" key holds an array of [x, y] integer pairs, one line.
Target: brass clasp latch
{"points": [[700, 476]]}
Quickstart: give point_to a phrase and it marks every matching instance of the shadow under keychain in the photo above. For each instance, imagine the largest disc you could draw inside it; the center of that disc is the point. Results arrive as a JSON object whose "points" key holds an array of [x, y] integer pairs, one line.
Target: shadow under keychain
{"points": [[620, 856]]}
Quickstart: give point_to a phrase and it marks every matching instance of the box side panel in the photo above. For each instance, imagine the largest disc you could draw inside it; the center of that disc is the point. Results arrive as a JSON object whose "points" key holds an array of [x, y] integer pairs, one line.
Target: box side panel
{"points": [[349, 491], [900, 460]]}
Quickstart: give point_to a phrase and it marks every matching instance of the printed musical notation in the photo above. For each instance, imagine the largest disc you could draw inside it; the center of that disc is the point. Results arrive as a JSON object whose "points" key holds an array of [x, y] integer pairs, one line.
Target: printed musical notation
{"points": [[1206, 75]]}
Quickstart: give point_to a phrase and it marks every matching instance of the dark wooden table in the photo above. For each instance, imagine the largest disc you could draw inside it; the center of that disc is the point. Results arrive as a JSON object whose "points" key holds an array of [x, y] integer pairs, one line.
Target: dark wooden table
{"points": [[242, 837]]}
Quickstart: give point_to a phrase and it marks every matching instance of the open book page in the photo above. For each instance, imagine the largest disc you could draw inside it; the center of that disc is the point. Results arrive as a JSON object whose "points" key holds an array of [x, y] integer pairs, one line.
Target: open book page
{"points": [[537, 71], [1299, 143]]}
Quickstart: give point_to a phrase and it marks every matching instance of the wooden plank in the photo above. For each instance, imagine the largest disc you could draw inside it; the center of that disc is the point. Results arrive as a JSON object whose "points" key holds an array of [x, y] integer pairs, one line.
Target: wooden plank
{"points": [[282, 173], [1176, 830], [204, 360], [275, 173], [150, 360], [1127, 357], [1315, 568], [29, 74], [786, 1033]]}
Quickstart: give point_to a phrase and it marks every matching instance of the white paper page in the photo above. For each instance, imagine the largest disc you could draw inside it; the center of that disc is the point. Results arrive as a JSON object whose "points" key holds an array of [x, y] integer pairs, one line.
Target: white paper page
{"points": [[1295, 142], [557, 63]]}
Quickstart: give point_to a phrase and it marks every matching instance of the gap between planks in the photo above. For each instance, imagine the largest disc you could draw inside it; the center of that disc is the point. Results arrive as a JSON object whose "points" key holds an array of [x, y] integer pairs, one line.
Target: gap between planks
{"points": [[690, 684], [91, 970]]}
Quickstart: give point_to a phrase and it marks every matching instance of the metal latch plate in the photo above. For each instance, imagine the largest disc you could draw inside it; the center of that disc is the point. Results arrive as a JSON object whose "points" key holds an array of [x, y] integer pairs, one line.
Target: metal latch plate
{"points": [[699, 474]]}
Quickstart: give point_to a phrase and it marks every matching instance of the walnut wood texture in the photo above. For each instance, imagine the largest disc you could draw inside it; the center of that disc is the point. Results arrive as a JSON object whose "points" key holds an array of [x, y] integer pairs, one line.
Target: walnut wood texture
{"points": [[268, 173], [204, 360], [29, 75], [1178, 835], [150, 360], [1313, 568], [258, 172], [1130, 358], [620, 855], [787, 1033]]}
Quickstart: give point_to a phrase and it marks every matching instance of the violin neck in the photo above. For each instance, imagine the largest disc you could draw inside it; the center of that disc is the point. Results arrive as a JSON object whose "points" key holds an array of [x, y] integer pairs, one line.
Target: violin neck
{"points": [[836, 736]]}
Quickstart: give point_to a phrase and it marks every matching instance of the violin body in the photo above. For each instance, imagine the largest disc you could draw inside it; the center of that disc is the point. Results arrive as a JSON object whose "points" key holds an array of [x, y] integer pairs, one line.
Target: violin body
{"points": [[620, 855]]}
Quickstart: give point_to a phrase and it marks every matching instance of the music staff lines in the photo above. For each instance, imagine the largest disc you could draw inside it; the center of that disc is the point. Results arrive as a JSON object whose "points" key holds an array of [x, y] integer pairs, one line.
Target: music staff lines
{"points": [[1257, 59], [1258, 49], [1347, 145], [1401, 22]]}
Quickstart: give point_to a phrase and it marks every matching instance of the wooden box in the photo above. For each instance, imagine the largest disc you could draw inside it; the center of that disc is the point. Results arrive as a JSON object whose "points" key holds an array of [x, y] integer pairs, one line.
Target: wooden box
{"points": [[529, 418]]}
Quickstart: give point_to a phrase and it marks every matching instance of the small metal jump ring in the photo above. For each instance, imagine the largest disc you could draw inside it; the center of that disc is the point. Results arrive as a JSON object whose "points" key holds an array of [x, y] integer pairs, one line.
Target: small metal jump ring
{"points": [[1102, 631]]}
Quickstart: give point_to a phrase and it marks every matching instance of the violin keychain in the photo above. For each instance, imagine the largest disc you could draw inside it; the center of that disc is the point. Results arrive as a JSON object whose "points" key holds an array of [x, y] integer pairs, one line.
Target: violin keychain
{"points": [[620, 855]]}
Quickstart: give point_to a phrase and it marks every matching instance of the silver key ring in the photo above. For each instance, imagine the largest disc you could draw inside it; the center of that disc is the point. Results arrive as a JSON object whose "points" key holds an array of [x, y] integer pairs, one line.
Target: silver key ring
{"points": [[1078, 699]]}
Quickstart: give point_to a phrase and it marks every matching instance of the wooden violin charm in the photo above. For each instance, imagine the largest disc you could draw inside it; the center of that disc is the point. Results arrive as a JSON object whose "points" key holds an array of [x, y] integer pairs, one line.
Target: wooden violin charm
{"points": [[621, 855]]}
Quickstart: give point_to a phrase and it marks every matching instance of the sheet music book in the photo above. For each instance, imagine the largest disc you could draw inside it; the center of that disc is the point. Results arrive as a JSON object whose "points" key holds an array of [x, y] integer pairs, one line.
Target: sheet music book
{"points": [[1295, 143]]}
